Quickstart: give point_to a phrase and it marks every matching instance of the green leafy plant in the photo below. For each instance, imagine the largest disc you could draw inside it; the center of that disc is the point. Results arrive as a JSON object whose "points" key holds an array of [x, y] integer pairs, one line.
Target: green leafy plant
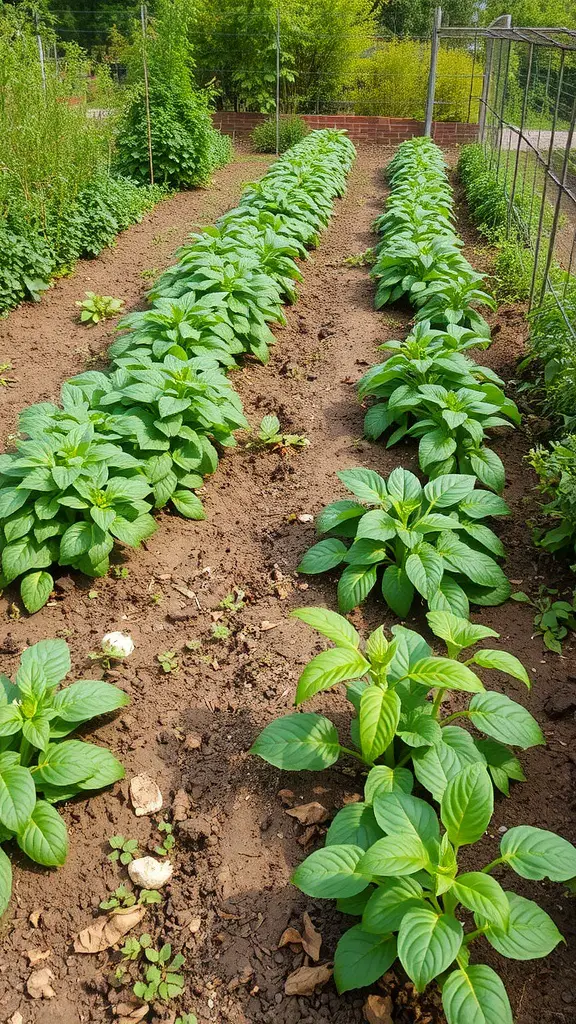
{"points": [[65, 497], [161, 980], [556, 469], [95, 308], [168, 661], [186, 1018], [553, 618], [413, 533], [168, 841], [134, 949], [270, 436], [123, 850], [292, 130], [396, 865], [233, 602], [220, 631], [123, 897], [38, 765], [397, 688]]}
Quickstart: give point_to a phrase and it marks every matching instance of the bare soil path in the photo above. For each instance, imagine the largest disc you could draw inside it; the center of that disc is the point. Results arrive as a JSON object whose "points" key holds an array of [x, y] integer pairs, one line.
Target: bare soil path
{"points": [[231, 898]]}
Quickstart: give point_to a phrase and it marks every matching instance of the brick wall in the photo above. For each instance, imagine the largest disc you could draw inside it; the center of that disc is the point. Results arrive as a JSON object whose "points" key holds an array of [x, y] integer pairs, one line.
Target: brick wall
{"points": [[360, 129]]}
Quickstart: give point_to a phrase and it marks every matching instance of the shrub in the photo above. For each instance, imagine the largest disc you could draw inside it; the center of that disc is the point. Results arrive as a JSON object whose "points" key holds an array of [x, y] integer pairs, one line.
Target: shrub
{"points": [[292, 130], [26, 264], [556, 468]]}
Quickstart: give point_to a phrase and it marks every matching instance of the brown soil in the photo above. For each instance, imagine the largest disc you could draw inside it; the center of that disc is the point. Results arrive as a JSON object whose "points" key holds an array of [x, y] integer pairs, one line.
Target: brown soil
{"points": [[235, 853]]}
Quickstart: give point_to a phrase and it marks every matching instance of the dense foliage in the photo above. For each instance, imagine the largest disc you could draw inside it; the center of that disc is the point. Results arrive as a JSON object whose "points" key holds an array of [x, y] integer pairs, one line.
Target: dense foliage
{"points": [[88, 472], [39, 766], [291, 131]]}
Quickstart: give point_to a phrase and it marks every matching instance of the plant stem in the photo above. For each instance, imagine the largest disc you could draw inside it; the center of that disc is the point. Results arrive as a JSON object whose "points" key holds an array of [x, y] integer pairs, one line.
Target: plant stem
{"points": [[353, 753], [25, 751], [457, 714], [437, 702], [493, 864], [473, 935]]}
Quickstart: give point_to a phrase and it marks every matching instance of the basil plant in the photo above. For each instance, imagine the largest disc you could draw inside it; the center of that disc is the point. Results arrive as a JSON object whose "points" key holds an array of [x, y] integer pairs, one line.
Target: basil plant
{"points": [[397, 688], [39, 766], [414, 533], [393, 862]]}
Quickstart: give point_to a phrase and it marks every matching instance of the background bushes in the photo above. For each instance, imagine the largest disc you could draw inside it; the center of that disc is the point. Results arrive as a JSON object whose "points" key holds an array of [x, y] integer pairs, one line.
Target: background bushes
{"points": [[292, 130]]}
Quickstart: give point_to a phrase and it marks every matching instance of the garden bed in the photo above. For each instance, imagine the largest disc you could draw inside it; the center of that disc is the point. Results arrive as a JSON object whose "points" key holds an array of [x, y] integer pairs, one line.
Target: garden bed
{"points": [[191, 728]]}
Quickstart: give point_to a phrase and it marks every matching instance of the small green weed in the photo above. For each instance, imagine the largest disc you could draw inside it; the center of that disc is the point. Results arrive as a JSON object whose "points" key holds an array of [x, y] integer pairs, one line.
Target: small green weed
{"points": [[95, 308], [553, 619], [168, 661], [123, 850], [168, 842]]}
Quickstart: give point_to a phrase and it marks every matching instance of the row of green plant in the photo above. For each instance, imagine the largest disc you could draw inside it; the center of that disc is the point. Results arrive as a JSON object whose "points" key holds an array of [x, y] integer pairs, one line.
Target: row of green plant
{"points": [[429, 539], [70, 183], [392, 860], [90, 471], [548, 370]]}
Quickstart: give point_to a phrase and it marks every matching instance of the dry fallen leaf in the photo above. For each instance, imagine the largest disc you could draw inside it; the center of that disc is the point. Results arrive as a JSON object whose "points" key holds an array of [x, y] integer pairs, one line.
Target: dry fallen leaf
{"points": [[308, 836], [181, 806], [131, 1013], [34, 918], [351, 798], [108, 930], [145, 796], [36, 955], [286, 796], [38, 985], [290, 936], [305, 980], [269, 625], [309, 814], [311, 939], [378, 1010]]}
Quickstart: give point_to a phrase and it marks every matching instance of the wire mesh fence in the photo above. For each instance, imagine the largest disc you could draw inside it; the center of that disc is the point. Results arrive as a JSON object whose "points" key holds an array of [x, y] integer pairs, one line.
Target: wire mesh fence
{"points": [[524, 89]]}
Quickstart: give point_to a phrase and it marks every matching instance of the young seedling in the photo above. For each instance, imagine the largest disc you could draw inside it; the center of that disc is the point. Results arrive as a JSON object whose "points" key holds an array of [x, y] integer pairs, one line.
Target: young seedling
{"points": [[186, 1018], [553, 619], [99, 307], [168, 661], [220, 631], [123, 850], [120, 572], [123, 897], [161, 979], [135, 948], [361, 259], [270, 436], [168, 842], [233, 602], [6, 382]]}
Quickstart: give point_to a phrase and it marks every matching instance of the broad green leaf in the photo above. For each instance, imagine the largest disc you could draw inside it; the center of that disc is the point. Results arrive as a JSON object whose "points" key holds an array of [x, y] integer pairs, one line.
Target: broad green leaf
{"points": [[462, 744], [435, 766], [382, 779], [354, 585], [361, 958], [536, 853], [395, 855], [450, 597], [306, 742], [35, 589], [5, 882], [445, 674], [354, 825], [419, 729], [505, 720], [36, 730], [404, 487], [480, 504], [457, 630], [51, 657], [397, 590], [488, 468], [425, 569], [337, 513], [17, 797], [24, 554], [427, 944], [475, 996], [503, 662], [188, 504], [11, 719], [402, 814], [11, 499], [329, 668], [483, 895], [330, 624], [105, 768], [44, 838], [467, 805], [324, 555], [449, 489], [63, 764], [389, 903], [364, 484], [376, 525], [378, 720], [502, 764], [87, 698], [332, 873], [530, 934], [354, 905]]}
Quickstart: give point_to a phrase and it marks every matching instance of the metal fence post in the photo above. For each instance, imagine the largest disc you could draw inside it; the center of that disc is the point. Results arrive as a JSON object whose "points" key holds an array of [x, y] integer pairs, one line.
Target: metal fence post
{"points": [[432, 73], [41, 53], [504, 21], [277, 81], [143, 20]]}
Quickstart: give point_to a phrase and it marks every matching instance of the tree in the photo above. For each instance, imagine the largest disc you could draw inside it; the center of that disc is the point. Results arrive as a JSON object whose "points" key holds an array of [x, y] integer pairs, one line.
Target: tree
{"points": [[414, 17]]}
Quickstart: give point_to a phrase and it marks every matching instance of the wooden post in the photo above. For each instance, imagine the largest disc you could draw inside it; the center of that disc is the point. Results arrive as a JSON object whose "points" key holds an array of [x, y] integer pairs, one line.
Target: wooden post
{"points": [[143, 20]]}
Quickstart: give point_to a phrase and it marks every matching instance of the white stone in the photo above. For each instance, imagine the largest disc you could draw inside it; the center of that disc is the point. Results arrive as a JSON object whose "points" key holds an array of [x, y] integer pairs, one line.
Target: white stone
{"points": [[149, 873]]}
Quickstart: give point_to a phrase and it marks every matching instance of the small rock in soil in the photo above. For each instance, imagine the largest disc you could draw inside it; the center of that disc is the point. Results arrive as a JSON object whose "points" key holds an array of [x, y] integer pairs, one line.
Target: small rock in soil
{"points": [[38, 985], [561, 703], [145, 795], [181, 806], [149, 873], [16, 1018], [193, 741]]}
